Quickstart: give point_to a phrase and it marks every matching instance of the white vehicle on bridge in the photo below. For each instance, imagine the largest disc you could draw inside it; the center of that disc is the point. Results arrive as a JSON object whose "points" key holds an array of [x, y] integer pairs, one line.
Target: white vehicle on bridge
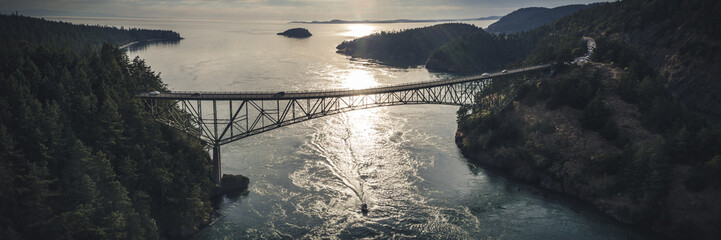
{"points": [[153, 93], [485, 75]]}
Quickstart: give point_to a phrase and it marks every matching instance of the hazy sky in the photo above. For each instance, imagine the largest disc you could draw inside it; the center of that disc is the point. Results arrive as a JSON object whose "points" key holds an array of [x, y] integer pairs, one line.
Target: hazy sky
{"points": [[287, 9]]}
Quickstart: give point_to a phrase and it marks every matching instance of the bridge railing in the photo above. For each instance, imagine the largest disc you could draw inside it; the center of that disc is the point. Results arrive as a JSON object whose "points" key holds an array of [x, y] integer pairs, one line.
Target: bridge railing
{"points": [[332, 92], [223, 117]]}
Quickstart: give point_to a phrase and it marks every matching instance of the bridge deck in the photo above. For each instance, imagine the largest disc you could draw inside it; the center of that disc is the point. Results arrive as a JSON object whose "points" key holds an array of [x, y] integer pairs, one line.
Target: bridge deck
{"points": [[220, 118], [207, 95]]}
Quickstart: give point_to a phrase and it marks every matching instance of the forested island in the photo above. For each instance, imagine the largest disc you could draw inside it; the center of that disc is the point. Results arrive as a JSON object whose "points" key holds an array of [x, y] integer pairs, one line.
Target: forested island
{"points": [[462, 48], [296, 33], [80, 157], [404, 48]]}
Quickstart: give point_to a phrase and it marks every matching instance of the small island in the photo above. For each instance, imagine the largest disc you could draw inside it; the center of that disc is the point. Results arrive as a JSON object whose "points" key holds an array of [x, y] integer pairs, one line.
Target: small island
{"points": [[296, 33]]}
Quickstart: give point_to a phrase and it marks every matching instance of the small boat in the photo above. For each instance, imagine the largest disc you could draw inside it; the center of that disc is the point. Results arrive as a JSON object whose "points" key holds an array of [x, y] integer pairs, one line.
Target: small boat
{"points": [[364, 208]]}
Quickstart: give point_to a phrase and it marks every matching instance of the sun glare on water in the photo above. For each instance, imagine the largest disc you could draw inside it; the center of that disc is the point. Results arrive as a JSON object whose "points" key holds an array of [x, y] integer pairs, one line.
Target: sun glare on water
{"points": [[358, 30], [358, 79]]}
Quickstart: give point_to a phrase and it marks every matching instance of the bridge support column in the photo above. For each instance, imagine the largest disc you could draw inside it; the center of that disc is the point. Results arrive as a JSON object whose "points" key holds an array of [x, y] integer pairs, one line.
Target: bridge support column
{"points": [[217, 173]]}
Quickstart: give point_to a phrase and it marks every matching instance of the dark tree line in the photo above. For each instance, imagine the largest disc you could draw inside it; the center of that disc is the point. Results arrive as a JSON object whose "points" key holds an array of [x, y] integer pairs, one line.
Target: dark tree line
{"points": [[690, 138], [407, 47], [73, 36], [464, 48], [477, 52], [80, 158], [636, 36], [480, 51]]}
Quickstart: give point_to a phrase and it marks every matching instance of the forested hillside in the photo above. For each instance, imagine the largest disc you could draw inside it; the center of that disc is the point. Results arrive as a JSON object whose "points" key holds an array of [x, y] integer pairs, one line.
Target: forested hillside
{"points": [[407, 47], [463, 48], [633, 152], [482, 52], [525, 19], [681, 40], [478, 51], [80, 158], [618, 132], [73, 36], [678, 39]]}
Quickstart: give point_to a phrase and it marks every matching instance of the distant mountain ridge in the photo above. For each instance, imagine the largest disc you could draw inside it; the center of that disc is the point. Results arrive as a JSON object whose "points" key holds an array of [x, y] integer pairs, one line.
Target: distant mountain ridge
{"points": [[338, 21], [525, 19]]}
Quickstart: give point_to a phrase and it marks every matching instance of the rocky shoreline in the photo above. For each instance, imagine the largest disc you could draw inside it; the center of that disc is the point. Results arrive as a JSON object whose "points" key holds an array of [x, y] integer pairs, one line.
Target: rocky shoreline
{"points": [[619, 208], [554, 152], [233, 186]]}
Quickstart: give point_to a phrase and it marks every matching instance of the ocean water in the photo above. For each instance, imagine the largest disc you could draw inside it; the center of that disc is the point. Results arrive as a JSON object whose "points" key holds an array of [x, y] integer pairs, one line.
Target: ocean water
{"points": [[308, 180]]}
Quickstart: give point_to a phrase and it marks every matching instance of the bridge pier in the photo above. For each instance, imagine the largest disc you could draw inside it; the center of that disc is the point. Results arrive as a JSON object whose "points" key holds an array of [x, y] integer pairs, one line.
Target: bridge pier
{"points": [[251, 113], [217, 172]]}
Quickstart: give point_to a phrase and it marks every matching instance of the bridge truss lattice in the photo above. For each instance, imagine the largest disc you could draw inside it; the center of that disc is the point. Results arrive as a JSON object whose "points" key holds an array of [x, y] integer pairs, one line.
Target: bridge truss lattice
{"points": [[220, 118]]}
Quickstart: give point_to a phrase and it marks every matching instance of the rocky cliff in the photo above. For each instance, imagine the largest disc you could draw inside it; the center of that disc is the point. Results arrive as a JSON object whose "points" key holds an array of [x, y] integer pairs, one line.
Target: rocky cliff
{"points": [[624, 175]]}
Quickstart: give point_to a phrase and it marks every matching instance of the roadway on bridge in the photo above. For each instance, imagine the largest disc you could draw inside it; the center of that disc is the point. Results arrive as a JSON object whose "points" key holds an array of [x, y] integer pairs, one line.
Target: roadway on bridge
{"points": [[275, 95]]}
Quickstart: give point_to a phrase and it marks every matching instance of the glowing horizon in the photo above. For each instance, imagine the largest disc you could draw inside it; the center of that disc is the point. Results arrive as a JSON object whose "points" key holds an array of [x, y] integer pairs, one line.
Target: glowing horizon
{"points": [[302, 10]]}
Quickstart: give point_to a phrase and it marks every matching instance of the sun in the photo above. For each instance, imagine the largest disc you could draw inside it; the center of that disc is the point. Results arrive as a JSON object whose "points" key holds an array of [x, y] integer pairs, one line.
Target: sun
{"points": [[358, 79], [358, 30]]}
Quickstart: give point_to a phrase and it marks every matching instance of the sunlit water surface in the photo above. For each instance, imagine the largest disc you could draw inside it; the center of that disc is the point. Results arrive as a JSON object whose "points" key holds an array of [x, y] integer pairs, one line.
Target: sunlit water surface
{"points": [[308, 180]]}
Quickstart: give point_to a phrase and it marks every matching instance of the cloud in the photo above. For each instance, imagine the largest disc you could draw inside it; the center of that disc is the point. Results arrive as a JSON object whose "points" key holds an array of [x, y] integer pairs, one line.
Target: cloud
{"points": [[288, 9]]}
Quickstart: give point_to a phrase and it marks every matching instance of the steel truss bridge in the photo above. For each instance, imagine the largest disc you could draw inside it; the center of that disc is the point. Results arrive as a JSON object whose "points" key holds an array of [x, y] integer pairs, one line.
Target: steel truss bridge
{"points": [[219, 118]]}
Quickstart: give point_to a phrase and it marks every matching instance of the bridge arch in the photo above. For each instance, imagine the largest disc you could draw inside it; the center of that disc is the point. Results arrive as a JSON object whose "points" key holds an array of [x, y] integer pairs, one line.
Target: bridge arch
{"points": [[220, 118]]}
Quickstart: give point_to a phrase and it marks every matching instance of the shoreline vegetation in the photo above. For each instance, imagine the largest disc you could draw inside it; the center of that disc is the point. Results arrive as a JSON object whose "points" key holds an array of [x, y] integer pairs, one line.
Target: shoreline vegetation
{"points": [[634, 133], [617, 132], [404, 48], [464, 48], [77, 37], [526, 19], [576, 134], [450, 47], [80, 157], [83, 159]]}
